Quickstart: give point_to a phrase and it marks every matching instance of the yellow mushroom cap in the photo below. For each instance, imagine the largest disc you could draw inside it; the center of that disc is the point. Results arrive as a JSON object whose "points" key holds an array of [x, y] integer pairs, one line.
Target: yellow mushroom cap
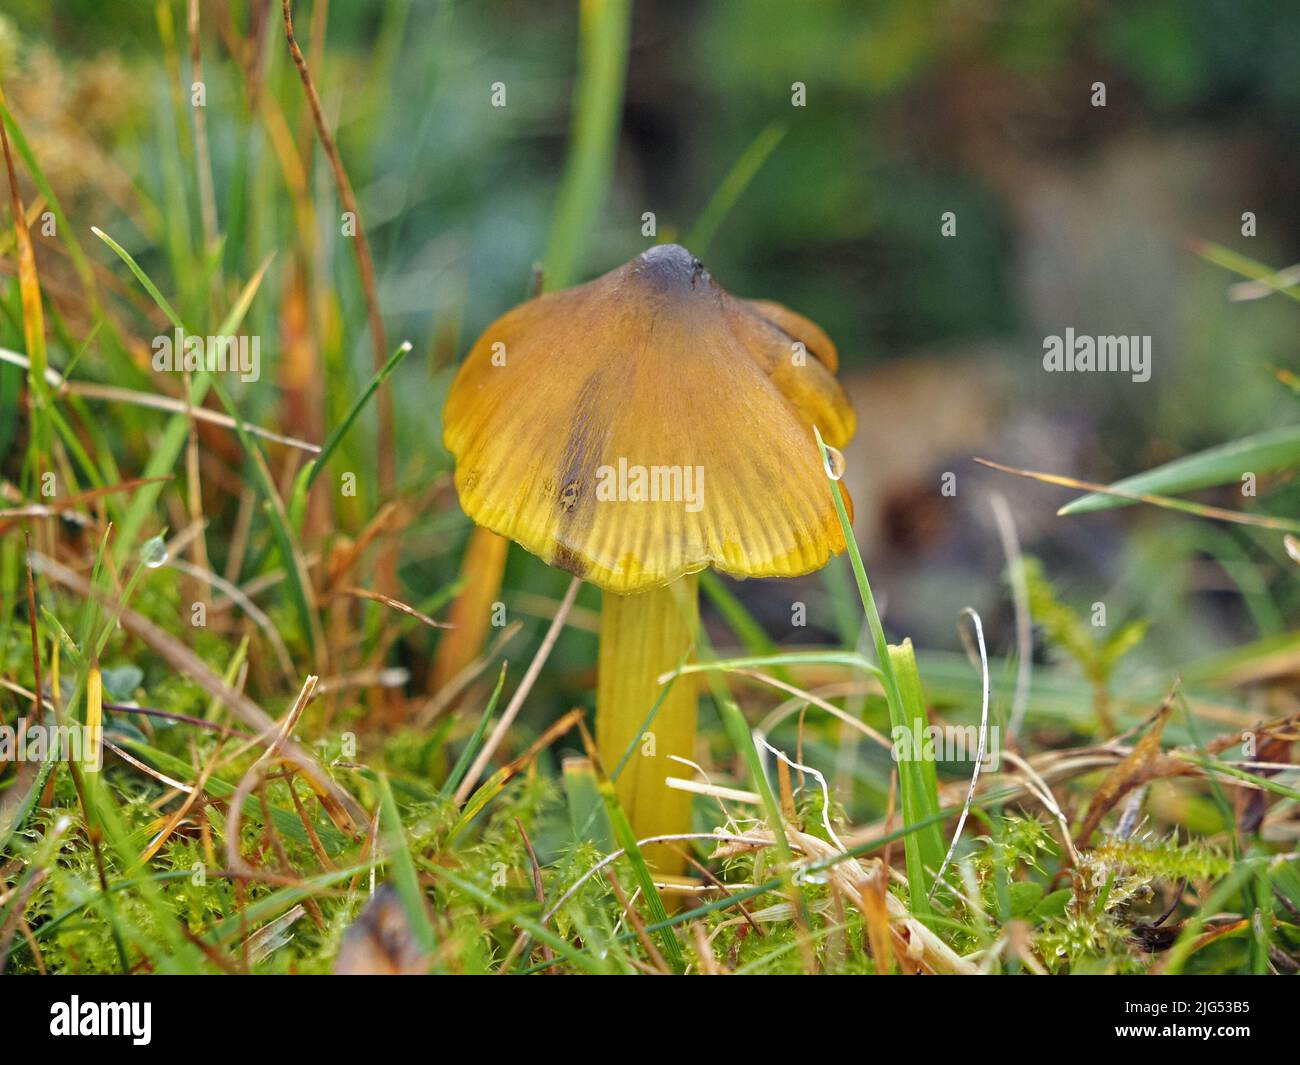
{"points": [[647, 425]]}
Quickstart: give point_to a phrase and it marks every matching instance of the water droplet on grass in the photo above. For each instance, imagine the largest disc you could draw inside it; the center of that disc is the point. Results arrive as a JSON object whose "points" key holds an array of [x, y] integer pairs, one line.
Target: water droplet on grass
{"points": [[834, 463], [154, 552]]}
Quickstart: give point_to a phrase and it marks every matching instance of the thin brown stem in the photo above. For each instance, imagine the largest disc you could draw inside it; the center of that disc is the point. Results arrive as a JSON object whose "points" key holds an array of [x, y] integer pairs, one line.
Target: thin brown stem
{"points": [[366, 268]]}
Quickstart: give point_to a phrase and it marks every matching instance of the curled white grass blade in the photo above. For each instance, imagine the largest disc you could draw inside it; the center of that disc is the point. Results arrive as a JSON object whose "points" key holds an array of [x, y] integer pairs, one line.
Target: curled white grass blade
{"points": [[821, 704], [713, 791], [1020, 601], [710, 789], [826, 791], [979, 753]]}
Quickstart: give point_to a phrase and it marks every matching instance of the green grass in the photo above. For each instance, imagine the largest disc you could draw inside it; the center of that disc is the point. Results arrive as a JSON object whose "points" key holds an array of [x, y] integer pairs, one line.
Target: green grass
{"points": [[917, 783], [517, 879]]}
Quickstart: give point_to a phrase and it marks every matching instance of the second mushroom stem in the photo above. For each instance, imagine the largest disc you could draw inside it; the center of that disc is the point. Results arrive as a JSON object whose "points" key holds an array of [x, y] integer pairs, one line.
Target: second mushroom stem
{"points": [[643, 636], [471, 611]]}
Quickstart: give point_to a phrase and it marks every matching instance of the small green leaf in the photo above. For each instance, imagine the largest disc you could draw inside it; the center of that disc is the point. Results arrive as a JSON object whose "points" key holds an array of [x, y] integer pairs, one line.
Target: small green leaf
{"points": [[1053, 905], [1024, 897]]}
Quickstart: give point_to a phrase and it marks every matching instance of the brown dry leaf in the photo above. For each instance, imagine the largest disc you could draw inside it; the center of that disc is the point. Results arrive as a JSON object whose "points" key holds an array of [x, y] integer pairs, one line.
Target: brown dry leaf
{"points": [[1145, 762], [29, 285], [273, 935], [1253, 803], [875, 914], [391, 517]]}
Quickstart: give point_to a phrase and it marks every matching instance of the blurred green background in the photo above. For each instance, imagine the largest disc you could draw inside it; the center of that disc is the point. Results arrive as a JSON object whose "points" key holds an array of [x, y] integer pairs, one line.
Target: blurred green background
{"points": [[1067, 214]]}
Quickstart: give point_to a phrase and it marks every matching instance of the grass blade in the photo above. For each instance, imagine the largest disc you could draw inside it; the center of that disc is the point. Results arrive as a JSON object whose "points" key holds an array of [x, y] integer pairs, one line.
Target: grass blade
{"points": [[919, 798], [586, 810], [1243, 265], [743, 740], [785, 658], [405, 877], [296, 571], [1262, 453], [536, 929], [1183, 506], [145, 280], [29, 289], [733, 187], [177, 430], [750, 633], [604, 30], [75, 251], [458, 771], [626, 839], [313, 469]]}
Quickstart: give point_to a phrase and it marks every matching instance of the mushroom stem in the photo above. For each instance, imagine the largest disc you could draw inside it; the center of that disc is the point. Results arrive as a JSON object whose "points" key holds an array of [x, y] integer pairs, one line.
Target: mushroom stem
{"points": [[484, 564], [643, 636]]}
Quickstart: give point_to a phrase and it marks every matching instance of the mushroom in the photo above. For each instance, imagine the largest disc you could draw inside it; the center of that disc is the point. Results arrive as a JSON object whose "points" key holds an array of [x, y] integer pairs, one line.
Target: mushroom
{"points": [[633, 431]]}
